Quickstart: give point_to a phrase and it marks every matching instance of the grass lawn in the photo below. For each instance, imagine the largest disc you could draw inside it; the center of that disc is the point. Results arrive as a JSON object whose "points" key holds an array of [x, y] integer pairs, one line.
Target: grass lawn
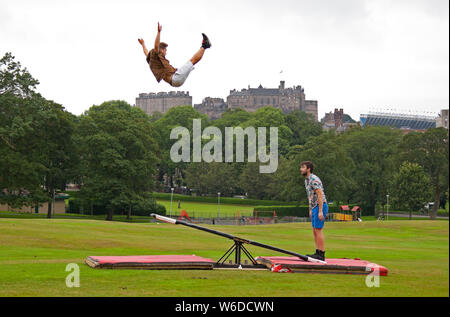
{"points": [[27, 215], [35, 252], [200, 209]]}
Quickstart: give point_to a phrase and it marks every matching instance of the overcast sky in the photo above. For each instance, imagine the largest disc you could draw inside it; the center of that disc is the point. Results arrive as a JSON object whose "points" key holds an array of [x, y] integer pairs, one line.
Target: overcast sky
{"points": [[355, 54]]}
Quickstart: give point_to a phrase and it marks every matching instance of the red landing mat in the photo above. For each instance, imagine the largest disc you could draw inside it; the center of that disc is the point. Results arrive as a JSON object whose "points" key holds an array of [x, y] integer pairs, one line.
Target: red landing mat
{"points": [[343, 266], [151, 262]]}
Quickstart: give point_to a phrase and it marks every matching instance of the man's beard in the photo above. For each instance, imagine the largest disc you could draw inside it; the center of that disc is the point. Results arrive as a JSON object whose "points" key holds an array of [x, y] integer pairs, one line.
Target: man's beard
{"points": [[304, 174]]}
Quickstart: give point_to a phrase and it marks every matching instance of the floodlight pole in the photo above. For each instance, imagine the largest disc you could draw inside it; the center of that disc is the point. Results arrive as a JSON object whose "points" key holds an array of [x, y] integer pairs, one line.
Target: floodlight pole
{"points": [[387, 214], [171, 198], [218, 206]]}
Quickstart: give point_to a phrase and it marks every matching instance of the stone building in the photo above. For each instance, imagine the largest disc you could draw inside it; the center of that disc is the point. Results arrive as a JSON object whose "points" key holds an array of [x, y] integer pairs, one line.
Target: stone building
{"points": [[337, 121], [333, 120], [163, 101], [442, 119], [212, 107], [59, 208], [287, 99]]}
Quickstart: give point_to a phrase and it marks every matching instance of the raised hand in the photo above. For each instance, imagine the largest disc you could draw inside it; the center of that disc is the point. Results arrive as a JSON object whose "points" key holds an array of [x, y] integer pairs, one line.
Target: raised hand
{"points": [[141, 41], [159, 28]]}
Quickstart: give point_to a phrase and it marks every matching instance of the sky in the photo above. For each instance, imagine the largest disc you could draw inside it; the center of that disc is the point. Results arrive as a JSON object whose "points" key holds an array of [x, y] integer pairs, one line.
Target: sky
{"points": [[359, 55]]}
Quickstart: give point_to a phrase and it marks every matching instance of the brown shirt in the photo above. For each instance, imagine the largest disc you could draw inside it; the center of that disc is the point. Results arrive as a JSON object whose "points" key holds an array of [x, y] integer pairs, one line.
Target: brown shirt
{"points": [[161, 67]]}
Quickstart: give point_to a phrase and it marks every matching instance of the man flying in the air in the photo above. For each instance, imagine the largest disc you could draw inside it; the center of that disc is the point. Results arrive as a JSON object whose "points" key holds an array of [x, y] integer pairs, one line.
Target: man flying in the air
{"points": [[161, 67]]}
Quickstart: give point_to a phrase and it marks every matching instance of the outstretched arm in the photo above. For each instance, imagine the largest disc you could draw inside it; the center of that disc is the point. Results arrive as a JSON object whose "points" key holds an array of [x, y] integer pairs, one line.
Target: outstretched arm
{"points": [[141, 41], [157, 38]]}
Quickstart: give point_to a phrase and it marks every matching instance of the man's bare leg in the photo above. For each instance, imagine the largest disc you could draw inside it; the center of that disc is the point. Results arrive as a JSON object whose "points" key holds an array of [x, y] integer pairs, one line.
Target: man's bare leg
{"points": [[198, 56], [319, 239], [315, 237]]}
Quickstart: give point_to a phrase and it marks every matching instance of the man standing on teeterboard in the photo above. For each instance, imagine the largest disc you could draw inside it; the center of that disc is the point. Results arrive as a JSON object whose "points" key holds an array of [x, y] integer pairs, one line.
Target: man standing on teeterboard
{"points": [[318, 207], [161, 67]]}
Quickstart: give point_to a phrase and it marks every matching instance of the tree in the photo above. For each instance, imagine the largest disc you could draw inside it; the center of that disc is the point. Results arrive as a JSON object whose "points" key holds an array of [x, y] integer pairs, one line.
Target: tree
{"points": [[232, 118], [271, 117], [286, 183], [332, 163], [430, 150], [119, 155], [35, 139], [303, 127], [410, 188], [212, 178], [254, 183], [372, 150], [21, 164], [15, 80], [176, 117], [55, 133], [156, 116]]}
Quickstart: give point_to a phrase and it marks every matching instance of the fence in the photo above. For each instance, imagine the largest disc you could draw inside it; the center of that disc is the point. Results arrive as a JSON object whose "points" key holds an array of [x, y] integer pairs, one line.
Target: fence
{"points": [[211, 218]]}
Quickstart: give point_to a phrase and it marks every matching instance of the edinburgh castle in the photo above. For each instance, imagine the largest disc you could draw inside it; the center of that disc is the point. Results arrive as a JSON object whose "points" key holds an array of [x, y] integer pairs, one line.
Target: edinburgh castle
{"points": [[251, 99]]}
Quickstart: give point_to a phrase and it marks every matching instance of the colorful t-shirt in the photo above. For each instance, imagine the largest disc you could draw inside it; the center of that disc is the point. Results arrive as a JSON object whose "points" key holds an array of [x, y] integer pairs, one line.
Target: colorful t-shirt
{"points": [[313, 183]]}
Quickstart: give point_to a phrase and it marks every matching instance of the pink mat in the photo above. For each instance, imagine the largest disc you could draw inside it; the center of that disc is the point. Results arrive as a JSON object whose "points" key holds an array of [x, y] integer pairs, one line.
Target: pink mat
{"points": [[346, 266], [151, 262]]}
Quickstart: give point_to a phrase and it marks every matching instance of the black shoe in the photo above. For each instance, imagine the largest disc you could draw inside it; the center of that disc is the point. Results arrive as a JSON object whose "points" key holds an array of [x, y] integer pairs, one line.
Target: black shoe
{"points": [[320, 255], [313, 255], [205, 43]]}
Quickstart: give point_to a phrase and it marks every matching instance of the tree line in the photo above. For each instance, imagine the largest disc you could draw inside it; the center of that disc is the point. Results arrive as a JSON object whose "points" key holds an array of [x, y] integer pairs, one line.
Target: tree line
{"points": [[120, 155]]}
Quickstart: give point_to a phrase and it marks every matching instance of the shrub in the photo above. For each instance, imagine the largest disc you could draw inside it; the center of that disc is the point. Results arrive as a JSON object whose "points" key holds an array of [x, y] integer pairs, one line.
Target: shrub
{"points": [[77, 206]]}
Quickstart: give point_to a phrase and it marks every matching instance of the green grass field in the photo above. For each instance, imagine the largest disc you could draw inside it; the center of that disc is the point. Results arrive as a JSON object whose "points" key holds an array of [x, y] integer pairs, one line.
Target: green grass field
{"points": [[35, 252], [199, 209]]}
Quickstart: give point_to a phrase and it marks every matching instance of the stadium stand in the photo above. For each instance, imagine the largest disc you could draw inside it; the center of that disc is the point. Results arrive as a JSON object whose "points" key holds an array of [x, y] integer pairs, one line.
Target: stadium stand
{"points": [[400, 121]]}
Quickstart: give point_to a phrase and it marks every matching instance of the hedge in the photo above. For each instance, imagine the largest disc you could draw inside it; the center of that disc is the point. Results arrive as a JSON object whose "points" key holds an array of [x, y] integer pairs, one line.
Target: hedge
{"points": [[77, 205], [224, 200]]}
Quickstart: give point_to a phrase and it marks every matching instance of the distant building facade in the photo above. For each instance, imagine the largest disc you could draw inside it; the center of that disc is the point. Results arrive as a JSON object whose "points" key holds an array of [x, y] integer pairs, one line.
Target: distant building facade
{"points": [[442, 120], [59, 207], [251, 99], [163, 101], [212, 107], [335, 121], [286, 99]]}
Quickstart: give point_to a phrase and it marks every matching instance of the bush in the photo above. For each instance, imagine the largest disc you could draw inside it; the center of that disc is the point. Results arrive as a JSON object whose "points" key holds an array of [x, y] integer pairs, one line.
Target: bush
{"points": [[77, 206], [74, 206], [156, 208]]}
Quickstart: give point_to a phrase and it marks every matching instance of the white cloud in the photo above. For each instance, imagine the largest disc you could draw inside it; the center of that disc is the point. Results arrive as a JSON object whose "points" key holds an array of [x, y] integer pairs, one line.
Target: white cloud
{"points": [[353, 54]]}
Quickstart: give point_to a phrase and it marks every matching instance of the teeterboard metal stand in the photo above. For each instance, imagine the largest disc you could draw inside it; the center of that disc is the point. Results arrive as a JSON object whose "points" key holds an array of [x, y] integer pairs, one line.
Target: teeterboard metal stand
{"points": [[238, 247]]}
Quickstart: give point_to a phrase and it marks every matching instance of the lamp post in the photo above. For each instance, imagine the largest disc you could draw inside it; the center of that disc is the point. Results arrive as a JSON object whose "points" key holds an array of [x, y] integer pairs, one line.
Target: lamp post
{"points": [[171, 198], [218, 206], [387, 207]]}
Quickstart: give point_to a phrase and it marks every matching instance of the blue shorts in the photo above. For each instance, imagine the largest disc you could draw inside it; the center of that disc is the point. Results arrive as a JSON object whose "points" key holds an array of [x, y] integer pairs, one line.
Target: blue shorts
{"points": [[316, 223]]}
